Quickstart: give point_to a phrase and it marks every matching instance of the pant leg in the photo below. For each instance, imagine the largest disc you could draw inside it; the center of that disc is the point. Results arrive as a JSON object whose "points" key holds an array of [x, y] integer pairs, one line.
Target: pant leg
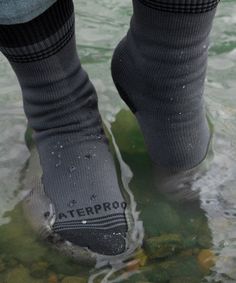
{"points": [[20, 11]]}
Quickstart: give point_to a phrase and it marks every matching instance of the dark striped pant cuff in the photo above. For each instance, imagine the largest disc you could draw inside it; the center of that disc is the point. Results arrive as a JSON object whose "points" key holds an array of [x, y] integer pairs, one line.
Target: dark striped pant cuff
{"points": [[40, 38]]}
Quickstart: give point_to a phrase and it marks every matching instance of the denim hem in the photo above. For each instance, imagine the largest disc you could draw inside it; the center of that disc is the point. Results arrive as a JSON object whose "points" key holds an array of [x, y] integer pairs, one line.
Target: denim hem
{"points": [[31, 9]]}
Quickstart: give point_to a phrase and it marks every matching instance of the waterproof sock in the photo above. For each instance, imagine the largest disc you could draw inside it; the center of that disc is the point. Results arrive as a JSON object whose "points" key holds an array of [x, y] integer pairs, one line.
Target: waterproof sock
{"points": [[159, 69], [79, 174]]}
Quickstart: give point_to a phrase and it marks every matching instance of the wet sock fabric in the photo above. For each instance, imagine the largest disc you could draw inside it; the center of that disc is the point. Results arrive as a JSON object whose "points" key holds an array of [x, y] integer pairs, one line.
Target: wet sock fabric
{"points": [[60, 102], [159, 69]]}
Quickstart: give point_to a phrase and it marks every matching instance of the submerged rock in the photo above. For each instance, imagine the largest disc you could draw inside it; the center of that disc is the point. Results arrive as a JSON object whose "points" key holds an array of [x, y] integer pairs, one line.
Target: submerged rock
{"points": [[204, 241], [39, 269], [167, 222], [135, 278], [21, 275], [141, 257], [206, 259], [163, 246], [155, 273], [130, 140], [2, 265], [73, 279], [52, 278], [185, 280], [174, 269]]}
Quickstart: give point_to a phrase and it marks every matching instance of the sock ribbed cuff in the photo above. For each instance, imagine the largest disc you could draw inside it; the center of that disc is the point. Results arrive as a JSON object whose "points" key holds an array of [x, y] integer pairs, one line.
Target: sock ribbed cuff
{"points": [[181, 6], [149, 22], [40, 38]]}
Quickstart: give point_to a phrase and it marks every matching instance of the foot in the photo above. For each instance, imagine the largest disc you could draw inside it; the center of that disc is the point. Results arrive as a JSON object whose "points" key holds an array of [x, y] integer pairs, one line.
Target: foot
{"points": [[79, 174], [159, 70]]}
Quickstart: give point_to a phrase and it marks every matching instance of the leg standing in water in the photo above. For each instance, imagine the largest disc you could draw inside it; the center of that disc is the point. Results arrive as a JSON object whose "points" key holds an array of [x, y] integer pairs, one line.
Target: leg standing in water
{"points": [[159, 69], [60, 102]]}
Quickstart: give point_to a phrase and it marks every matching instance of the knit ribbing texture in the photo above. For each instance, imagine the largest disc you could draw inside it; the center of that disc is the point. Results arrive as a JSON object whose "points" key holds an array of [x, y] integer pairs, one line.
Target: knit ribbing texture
{"points": [[159, 69], [60, 102]]}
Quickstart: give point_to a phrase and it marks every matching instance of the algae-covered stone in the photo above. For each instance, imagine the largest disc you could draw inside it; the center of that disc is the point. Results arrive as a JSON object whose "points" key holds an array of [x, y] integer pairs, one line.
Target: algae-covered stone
{"points": [[163, 246], [206, 259], [190, 242], [141, 257], [139, 260], [2, 265], [168, 265], [29, 138], [185, 280], [53, 278], [154, 273], [24, 244], [129, 140], [183, 267], [167, 222], [73, 279], [11, 262], [39, 269], [21, 275], [204, 241], [134, 278]]}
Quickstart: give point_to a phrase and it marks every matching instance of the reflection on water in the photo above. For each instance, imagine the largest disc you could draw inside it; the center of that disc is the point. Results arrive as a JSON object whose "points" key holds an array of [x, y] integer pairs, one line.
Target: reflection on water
{"points": [[188, 237]]}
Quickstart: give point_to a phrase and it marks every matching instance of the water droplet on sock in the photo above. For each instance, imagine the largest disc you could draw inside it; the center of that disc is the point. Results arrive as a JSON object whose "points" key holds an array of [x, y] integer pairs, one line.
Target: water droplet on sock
{"points": [[61, 146], [93, 197], [184, 86], [180, 113], [84, 222], [72, 203], [88, 156], [52, 152], [46, 214], [58, 164], [59, 155], [72, 168]]}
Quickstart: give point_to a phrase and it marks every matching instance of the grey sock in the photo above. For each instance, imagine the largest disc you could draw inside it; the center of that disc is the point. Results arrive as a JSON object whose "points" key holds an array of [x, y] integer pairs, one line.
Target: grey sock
{"points": [[79, 174], [159, 69]]}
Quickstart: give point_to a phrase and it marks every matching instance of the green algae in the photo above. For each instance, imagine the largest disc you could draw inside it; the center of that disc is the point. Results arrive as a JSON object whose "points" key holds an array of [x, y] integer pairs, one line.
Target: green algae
{"points": [[163, 246], [173, 234], [21, 275], [74, 279]]}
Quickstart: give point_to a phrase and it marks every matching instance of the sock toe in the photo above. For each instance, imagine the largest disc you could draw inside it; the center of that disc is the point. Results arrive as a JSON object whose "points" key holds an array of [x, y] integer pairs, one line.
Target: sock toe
{"points": [[109, 242]]}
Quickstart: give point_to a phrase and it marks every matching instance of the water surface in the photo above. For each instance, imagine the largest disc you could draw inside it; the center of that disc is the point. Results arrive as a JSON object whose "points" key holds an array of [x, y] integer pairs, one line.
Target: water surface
{"points": [[197, 240]]}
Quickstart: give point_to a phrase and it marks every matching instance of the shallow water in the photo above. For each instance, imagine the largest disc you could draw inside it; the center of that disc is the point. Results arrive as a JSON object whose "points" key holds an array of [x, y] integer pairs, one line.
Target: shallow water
{"points": [[197, 240]]}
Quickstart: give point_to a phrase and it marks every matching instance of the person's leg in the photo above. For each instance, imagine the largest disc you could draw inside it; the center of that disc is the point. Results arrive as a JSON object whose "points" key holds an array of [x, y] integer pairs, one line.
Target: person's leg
{"points": [[60, 102], [16, 12], [159, 69]]}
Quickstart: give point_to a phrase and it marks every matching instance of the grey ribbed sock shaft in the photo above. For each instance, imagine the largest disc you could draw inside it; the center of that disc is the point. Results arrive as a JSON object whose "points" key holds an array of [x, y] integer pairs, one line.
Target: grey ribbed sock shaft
{"points": [[79, 174], [159, 69]]}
